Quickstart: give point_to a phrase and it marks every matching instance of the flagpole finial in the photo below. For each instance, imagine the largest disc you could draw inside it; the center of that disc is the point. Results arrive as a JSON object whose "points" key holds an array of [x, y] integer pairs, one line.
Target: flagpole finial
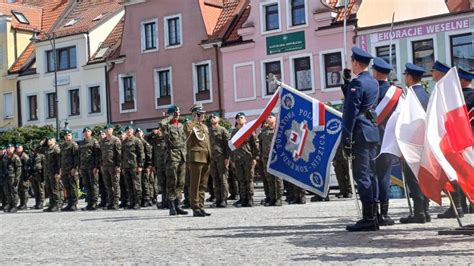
{"points": [[272, 79]]}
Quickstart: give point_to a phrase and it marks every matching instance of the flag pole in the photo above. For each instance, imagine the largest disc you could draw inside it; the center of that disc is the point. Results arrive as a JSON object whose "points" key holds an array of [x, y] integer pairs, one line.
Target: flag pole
{"points": [[407, 190], [454, 208], [390, 47], [351, 177], [345, 33]]}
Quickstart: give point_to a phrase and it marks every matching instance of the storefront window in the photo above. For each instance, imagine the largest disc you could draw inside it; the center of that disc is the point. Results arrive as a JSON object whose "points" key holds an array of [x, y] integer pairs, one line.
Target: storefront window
{"points": [[462, 51]]}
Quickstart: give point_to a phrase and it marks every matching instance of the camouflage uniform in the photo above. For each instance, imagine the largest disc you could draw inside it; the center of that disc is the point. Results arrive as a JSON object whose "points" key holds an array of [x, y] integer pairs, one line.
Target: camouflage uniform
{"points": [[219, 137], [89, 159], [52, 179], [35, 173], [159, 155], [342, 173], [242, 159], [69, 173], [24, 184], [146, 173], [3, 199], [133, 157], [275, 184], [111, 159], [11, 174]]}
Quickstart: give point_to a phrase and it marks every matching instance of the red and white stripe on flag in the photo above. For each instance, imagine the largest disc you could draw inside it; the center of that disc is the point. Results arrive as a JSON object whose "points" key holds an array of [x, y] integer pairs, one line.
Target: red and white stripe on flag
{"points": [[388, 103], [319, 115]]}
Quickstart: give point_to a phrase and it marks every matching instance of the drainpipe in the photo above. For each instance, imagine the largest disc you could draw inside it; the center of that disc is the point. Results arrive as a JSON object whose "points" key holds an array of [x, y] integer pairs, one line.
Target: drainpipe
{"points": [[15, 43], [107, 91], [88, 47], [219, 87], [18, 103]]}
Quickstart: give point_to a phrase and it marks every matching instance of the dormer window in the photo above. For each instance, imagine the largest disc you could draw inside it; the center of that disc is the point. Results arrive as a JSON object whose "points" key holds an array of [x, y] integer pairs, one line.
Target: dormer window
{"points": [[71, 22], [99, 17], [20, 17]]}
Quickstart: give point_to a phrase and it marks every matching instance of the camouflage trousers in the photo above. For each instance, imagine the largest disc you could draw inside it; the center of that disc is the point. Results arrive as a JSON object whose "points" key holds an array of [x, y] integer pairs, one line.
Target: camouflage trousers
{"points": [[38, 188], [111, 181], [275, 184], [175, 172], [198, 176], [161, 180], [233, 182], [54, 189], [219, 175], [145, 181], [154, 187], [10, 191], [3, 199], [91, 183], [23, 187], [133, 185], [71, 186], [245, 175]]}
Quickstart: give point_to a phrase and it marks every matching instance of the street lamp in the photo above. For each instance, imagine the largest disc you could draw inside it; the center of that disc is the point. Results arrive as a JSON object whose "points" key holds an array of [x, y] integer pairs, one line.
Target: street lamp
{"points": [[52, 41]]}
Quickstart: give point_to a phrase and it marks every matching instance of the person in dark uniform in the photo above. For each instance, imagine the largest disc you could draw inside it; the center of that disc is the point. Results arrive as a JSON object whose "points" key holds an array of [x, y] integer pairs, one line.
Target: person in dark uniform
{"points": [[384, 162], [439, 70], [413, 75], [360, 136]]}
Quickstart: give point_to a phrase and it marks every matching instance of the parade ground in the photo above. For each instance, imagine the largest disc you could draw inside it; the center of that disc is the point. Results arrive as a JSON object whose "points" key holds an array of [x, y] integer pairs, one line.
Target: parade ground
{"points": [[292, 234]]}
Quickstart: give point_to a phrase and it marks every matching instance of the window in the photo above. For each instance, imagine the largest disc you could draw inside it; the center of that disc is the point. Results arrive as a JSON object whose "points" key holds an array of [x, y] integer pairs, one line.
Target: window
{"points": [[20, 17], [94, 93], [8, 105], [333, 69], [66, 59], [298, 13], [51, 104], [423, 54], [202, 77], [33, 107], [274, 68], [163, 87], [149, 36], [173, 31], [302, 75], [128, 93], [462, 51], [272, 18], [74, 102], [384, 53]]}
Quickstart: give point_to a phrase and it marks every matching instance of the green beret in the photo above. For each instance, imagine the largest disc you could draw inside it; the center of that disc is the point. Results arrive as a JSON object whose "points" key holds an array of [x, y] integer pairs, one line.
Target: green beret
{"points": [[128, 127], [86, 129], [50, 136], [138, 130], [67, 131], [173, 109], [18, 145], [108, 126], [10, 145], [240, 114]]}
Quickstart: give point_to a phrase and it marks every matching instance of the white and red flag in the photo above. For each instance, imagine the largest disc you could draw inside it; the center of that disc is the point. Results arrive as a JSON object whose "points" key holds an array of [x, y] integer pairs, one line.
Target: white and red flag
{"points": [[388, 103]]}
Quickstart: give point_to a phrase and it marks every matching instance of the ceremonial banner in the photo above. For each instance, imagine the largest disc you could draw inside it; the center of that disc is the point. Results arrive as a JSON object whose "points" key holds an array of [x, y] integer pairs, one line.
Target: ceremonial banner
{"points": [[300, 153]]}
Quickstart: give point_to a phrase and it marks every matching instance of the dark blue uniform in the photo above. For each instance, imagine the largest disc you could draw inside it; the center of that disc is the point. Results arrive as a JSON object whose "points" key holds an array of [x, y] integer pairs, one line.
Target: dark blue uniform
{"points": [[469, 97], [361, 95]]}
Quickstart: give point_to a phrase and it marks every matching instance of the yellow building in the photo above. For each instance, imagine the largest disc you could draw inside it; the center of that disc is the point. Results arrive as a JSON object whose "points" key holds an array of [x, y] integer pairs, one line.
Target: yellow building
{"points": [[17, 24]]}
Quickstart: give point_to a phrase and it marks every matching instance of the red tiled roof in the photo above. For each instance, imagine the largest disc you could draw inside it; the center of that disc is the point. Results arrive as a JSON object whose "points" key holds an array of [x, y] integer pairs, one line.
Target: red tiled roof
{"points": [[23, 58], [112, 45], [233, 35], [210, 10], [231, 12], [31, 13], [351, 8]]}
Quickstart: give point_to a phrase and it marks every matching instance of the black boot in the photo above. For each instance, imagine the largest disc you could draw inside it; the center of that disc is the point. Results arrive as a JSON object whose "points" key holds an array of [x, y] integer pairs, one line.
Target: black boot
{"points": [[67, 208], [178, 208], [368, 222], [239, 203], [383, 218], [418, 214], [205, 213], [449, 213], [22, 206], [172, 208], [249, 202], [426, 210], [198, 213]]}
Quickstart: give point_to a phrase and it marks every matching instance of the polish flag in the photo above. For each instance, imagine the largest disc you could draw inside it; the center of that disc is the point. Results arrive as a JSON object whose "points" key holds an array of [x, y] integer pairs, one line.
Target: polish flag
{"points": [[388, 103], [447, 154]]}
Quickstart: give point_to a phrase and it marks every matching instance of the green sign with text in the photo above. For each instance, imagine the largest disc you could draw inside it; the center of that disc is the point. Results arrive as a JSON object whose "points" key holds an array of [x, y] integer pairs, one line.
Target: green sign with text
{"points": [[285, 43]]}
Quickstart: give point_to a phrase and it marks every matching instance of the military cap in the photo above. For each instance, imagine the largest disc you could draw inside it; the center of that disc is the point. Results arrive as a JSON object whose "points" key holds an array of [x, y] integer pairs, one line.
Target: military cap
{"points": [[120, 131], [441, 67], [67, 131], [239, 115], [18, 145], [50, 136], [381, 66], [128, 127], [2, 147], [414, 70], [138, 130], [361, 55], [463, 74], [108, 126], [173, 109], [86, 129], [197, 108], [9, 145], [271, 114], [214, 114]]}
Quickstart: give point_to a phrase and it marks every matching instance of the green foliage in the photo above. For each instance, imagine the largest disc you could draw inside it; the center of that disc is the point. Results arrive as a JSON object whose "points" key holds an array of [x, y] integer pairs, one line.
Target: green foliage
{"points": [[26, 135], [426, 86]]}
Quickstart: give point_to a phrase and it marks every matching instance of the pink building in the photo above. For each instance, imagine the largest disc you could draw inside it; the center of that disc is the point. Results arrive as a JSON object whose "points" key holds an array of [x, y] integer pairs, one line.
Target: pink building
{"points": [[300, 41], [163, 61]]}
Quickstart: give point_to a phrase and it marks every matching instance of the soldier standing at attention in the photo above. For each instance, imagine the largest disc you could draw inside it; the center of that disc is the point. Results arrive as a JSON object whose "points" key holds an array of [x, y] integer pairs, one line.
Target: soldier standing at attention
{"points": [[219, 137], [413, 75], [159, 165], [244, 159], [175, 138], [102, 187], [133, 157], [89, 157], [341, 168], [36, 175], [275, 184], [111, 161], [3, 199], [69, 168], [11, 165], [360, 136], [145, 176], [199, 156], [123, 186], [24, 183], [52, 177]]}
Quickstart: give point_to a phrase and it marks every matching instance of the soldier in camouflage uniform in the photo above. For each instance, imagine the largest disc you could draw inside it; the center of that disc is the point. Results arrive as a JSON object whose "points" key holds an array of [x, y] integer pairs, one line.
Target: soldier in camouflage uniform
{"points": [[199, 158], [52, 168], [89, 158], [175, 159], [3, 199], [275, 184], [133, 157], [342, 174], [11, 174], [24, 184], [69, 170], [146, 171], [36, 176], [219, 137], [111, 161], [159, 166], [123, 186], [244, 159], [102, 187]]}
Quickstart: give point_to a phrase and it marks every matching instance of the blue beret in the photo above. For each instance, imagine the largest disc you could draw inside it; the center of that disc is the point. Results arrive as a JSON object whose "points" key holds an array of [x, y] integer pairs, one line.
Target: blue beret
{"points": [[463, 74], [414, 70], [239, 115], [381, 66], [361, 55], [441, 67]]}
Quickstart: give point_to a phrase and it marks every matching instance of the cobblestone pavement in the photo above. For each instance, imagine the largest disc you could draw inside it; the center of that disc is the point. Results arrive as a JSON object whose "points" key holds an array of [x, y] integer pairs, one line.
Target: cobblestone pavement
{"points": [[311, 233]]}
